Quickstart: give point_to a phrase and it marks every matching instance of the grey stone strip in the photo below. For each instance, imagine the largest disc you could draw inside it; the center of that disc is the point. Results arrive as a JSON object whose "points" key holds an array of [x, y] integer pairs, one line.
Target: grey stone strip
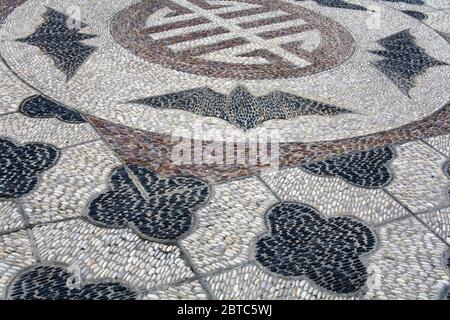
{"points": [[416, 217], [384, 223], [268, 188], [34, 225], [80, 144], [187, 258], [434, 148], [29, 231], [29, 85], [155, 289], [227, 269]]}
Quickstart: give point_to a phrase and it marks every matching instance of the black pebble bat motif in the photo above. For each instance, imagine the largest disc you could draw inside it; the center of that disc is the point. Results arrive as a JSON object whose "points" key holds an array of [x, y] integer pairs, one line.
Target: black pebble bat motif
{"points": [[403, 60], [60, 42], [241, 108]]}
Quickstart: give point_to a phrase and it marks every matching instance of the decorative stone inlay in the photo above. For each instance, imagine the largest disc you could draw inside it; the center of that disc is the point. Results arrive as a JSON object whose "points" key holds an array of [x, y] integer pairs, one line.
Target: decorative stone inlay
{"points": [[55, 283], [303, 244], [341, 4], [61, 42], [41, 107], [243, 40], [366, 169], [415, 14], [156, 207], [403, 60], [20, 166], [154, 150], [241, 108]]}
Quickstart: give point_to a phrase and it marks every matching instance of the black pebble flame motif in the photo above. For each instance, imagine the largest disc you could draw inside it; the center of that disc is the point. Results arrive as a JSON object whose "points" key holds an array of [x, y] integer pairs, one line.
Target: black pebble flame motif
{"points": [[20, 166], [241, 108], [157, 208], [327, 251], [338, 4], [41, 107], [50, 283], [403, 60], [368, 169], [56, 38]]}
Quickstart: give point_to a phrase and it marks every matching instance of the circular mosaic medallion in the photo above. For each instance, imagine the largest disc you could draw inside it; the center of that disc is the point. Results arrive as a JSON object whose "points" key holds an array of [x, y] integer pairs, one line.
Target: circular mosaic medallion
{"points": [[245, 39], [305, 71]]}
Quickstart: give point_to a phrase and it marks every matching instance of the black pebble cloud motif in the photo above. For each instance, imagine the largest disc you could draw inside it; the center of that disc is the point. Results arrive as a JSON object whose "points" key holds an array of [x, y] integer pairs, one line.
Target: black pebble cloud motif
{"points": [[327, 251], [156, 207], [41, 107], [50, 283], [368, 169], [20, 166]]}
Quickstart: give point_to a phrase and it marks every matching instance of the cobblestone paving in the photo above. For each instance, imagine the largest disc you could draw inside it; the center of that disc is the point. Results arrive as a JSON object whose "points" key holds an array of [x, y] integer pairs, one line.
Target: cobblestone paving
{"points": [[218, 149]]}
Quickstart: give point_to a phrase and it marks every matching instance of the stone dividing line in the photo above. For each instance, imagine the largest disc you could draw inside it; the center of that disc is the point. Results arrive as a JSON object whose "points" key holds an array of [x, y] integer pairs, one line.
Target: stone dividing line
{"points": [[416, 217]]}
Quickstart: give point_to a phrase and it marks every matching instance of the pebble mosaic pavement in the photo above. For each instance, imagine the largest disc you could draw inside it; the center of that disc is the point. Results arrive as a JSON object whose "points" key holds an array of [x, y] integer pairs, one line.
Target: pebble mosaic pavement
{"points": [[96, 95]]}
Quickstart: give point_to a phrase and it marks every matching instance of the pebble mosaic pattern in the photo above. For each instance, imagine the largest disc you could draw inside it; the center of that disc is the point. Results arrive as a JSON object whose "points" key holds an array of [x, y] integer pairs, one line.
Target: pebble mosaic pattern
{"points": [[16, 254], [65, 190], [448, 266], [92, 205], [115, 254], [61, 41], [447, 171], [439, 222], [24, 129], [416, 2], [328, 251], [157, 207], [10, 217], [50, 283], [240, 107], [425, 188], [366, 169], [440, 143], [408, 263], [416, 14], [339, 4], [41, 107], [334, 196], [403, 59], [20, 166], [228, 225], [238, 38], [191, 290]]}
